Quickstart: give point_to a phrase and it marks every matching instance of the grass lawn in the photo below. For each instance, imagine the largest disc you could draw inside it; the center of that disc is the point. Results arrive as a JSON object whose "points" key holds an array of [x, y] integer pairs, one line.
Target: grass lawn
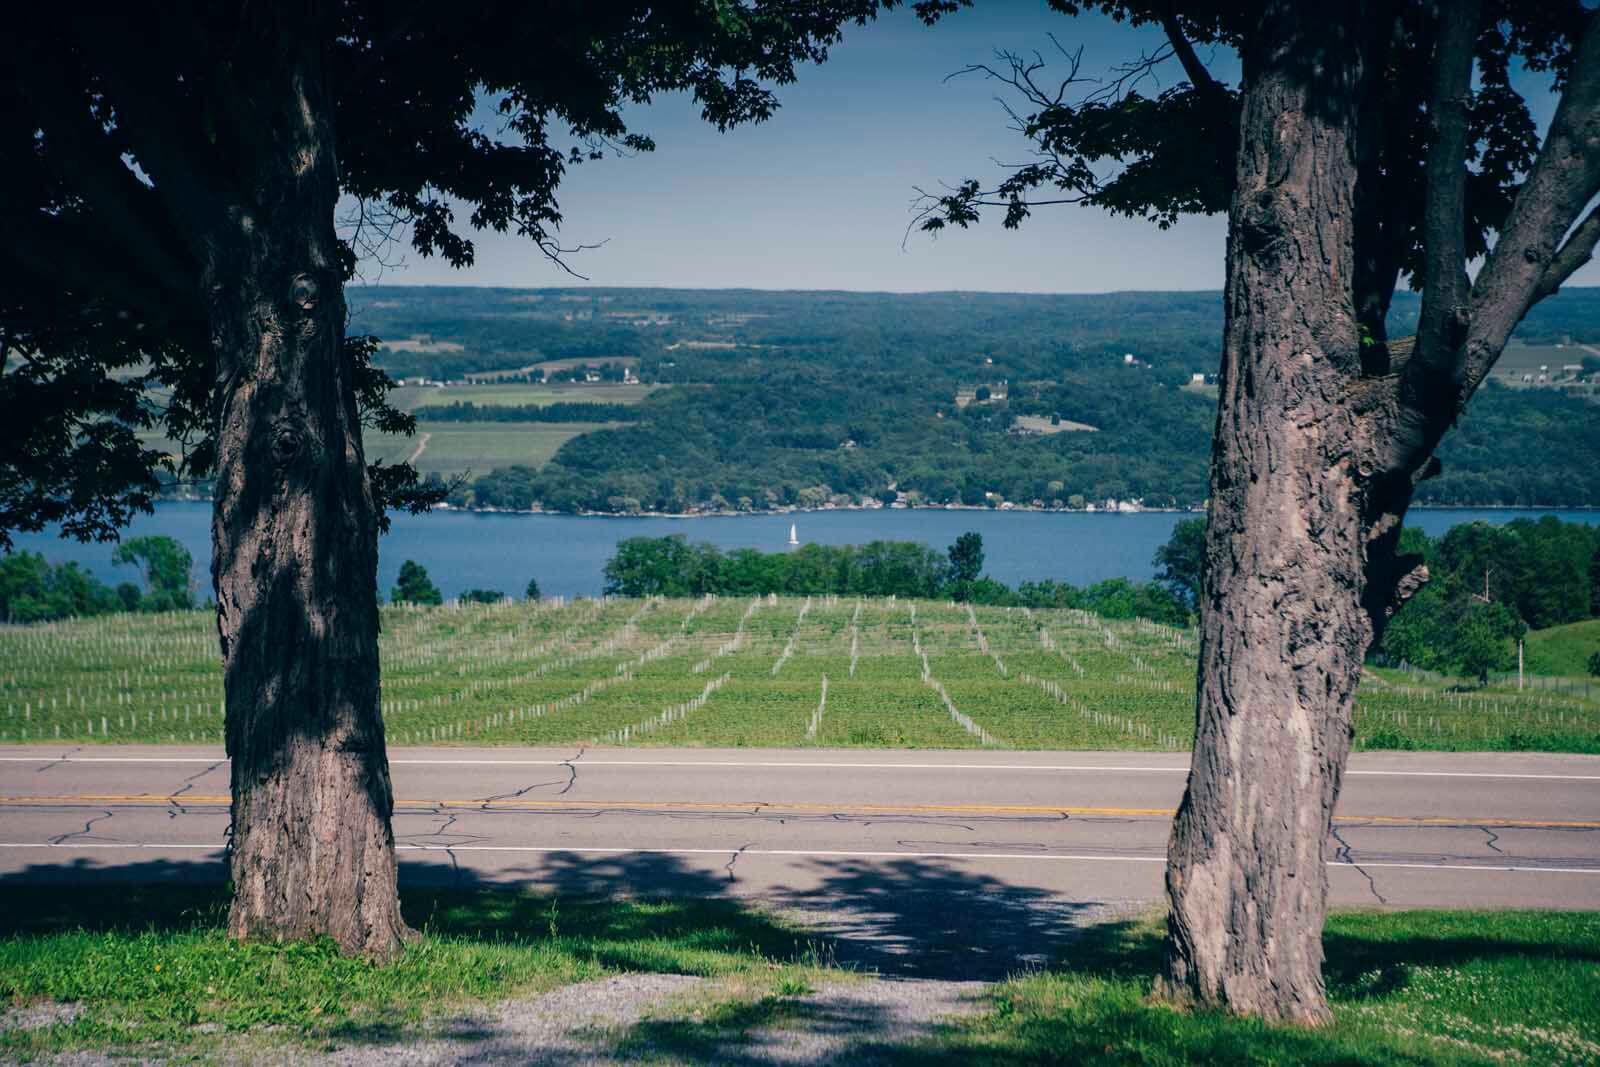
{"points": [[478, 447], [1564, 650], [1407, 987], [153, 966]]}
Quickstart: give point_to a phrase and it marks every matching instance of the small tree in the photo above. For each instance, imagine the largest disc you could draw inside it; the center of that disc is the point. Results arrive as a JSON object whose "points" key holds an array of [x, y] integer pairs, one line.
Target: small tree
{"points": [[1181, 561], [414, 586], [166, 565], [1483, 642], [966, 560], [1594, 664], [129, 596], [482, 596], [532, 592]]}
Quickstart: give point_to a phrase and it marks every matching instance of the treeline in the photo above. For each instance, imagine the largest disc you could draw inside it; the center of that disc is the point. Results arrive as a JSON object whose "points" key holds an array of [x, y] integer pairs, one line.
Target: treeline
{"points": [[830, 435], [673, 567], [562, 411], [33, 590], [1488, 586]]}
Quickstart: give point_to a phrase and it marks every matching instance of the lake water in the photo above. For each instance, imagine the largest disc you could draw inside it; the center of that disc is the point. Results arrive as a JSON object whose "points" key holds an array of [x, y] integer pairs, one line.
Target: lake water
{"points": [[566, 553]]}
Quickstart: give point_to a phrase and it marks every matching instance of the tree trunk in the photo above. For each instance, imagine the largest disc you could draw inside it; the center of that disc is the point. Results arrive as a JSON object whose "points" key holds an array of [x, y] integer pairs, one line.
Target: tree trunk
{"points": [[1283, 627], [294, 542]]}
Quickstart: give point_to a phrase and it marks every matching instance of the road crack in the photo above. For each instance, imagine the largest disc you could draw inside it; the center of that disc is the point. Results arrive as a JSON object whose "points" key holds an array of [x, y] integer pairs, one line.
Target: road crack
{"points": [[177, 808], [566, 787], [572, 771], [1343, 855], [735, 859], [63, 758], [105, 814]]}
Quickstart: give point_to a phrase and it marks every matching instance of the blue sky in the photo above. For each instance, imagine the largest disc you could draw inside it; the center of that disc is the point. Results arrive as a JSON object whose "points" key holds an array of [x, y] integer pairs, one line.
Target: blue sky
{"points": [[818, 197]]}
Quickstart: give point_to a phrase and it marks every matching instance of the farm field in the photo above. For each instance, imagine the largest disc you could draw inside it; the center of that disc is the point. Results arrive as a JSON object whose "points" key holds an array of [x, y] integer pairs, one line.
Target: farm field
{"points": [[765, 671], [419, 397], [1518, 360], [459, 447]]}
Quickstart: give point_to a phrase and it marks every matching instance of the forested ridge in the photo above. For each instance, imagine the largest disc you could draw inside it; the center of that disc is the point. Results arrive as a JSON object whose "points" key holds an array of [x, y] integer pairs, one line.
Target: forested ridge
{"points": [[805, 398]]}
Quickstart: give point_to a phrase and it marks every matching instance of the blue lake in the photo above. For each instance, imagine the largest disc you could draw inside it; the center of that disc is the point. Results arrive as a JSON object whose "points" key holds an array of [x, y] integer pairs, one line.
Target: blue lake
{"points": [[464, 550]]}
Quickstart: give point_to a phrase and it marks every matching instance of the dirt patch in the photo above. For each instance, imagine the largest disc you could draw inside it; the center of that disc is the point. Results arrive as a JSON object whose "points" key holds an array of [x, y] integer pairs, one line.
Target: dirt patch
{"points": [[38, 1016]]}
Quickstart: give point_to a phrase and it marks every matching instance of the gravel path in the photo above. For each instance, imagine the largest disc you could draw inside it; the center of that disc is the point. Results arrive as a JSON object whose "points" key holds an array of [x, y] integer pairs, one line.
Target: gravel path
{"points": [[629, 1019], [641, 1018]]}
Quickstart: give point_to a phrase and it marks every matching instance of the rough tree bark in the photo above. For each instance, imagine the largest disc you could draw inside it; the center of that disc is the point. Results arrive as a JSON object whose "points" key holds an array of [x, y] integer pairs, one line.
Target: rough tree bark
{"points": [[294, 538], [1283, 630], [1320, 443]]}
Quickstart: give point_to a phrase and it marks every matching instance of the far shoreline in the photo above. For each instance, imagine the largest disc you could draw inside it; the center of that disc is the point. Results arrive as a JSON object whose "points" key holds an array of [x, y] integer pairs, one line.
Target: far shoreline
{"points": [[1021, 508]]}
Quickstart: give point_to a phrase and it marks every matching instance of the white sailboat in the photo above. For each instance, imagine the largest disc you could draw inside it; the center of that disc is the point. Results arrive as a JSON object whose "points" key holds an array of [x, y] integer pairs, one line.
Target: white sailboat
{"points": [[793, 537]]}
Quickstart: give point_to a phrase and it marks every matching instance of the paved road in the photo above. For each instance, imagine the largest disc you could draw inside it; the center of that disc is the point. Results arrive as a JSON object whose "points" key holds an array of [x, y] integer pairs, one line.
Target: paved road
{"points": [[1414, 829]]}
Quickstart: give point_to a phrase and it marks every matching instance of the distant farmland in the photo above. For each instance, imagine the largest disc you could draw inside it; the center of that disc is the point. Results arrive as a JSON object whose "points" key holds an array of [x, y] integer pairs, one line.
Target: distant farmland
{"points": [[417, 397], [450, 448], [1527, 359]]}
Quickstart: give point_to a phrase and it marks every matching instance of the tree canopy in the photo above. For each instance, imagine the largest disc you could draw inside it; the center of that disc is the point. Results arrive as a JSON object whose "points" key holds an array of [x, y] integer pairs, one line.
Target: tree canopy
{"points": [[1155, 137], [129, 130]]}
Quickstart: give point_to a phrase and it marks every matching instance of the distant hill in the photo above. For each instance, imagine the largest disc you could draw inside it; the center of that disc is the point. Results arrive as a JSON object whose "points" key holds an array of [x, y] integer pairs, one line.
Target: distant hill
{"points": [[1564, 650], [805, 397]]}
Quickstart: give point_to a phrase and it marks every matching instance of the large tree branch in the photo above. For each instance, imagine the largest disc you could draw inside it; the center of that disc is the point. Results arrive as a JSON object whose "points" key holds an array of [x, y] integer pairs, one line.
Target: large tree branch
{"points": [[1564, 179], [1578, 250], [1199, 76], [1443, 323]]}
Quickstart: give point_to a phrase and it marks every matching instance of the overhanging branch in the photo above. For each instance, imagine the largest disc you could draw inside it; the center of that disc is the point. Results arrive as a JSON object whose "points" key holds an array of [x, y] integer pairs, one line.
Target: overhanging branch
{"points": [[1578, 250], [1564, 179], [1198, 75]]}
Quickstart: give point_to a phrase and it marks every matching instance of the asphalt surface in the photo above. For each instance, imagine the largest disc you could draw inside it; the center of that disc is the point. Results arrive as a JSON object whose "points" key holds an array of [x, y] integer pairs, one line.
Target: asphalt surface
{"points": [[1413, 829]]}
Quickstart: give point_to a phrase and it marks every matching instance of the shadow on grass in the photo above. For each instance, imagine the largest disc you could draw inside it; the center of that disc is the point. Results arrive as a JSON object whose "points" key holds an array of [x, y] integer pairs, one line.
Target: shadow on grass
{"points": [[904, 919], [926, 919], [909, 918], [678, 920]]}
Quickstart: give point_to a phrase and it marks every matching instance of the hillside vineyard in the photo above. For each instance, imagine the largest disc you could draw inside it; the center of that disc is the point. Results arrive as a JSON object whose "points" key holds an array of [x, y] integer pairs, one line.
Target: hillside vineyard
{"points": [[766, 671]]}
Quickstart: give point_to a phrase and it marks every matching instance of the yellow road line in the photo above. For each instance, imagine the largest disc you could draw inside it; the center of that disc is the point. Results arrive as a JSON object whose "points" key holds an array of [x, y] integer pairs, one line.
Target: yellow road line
{"points": [[198, 800]]}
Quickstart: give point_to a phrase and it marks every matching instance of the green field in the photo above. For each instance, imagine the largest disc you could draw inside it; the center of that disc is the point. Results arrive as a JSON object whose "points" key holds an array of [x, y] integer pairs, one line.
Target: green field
{"points": [[416, 397], [479, 447], [452, 448], [1564, 650], [917, 674]]}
